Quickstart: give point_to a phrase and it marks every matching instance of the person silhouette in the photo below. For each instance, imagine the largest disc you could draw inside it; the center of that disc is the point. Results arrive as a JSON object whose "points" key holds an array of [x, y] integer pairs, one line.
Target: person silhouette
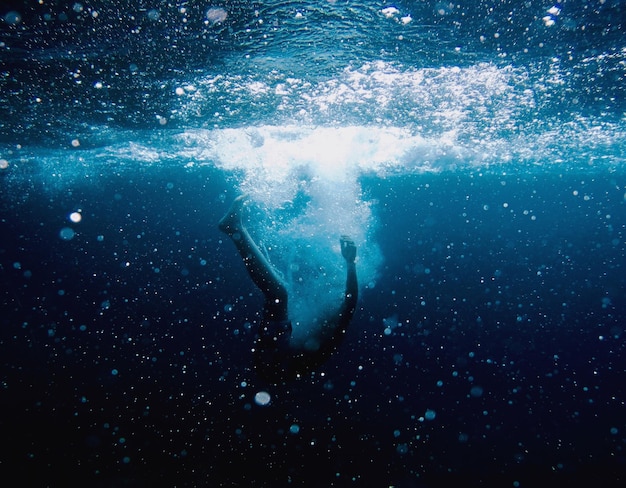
{"points": [[278, 354]]}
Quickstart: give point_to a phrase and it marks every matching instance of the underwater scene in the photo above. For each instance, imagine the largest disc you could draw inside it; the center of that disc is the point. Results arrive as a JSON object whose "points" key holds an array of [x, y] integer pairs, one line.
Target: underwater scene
{"points": [[473, 151]]}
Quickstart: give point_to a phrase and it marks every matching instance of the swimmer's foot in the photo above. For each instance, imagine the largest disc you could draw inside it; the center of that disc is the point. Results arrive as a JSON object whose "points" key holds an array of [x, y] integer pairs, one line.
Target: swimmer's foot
{"points": [[231, 222]]}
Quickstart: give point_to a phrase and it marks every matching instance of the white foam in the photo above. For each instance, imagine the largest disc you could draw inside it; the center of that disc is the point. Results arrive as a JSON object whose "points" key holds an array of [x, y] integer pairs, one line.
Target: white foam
{"points": [[335, 154], [316, 137]]}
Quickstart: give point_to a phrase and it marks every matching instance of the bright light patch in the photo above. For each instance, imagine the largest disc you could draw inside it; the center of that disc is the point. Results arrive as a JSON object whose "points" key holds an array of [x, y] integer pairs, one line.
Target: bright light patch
{"points": [[216, 15], [390, 12]]}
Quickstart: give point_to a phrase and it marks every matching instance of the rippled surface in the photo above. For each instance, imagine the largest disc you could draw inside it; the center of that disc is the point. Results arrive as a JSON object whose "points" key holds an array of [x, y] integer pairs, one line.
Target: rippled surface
{"points": [[118, 65]]}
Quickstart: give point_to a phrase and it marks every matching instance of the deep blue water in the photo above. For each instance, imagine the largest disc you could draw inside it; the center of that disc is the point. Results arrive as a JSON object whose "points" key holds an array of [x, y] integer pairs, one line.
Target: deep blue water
{"points": [[474, 152]]}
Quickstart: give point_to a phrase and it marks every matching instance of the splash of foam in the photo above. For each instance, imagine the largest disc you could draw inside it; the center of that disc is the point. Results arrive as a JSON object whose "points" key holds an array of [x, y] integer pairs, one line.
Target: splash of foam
{"points": [[320, 168]]}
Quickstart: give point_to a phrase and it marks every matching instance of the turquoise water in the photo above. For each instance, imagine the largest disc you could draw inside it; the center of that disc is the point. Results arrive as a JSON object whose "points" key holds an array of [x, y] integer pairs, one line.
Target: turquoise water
{"points": [[475, 153]]}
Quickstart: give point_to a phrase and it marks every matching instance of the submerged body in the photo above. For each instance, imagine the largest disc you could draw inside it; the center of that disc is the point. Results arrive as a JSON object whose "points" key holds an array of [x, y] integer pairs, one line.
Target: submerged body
{"points": [[278, 354]]}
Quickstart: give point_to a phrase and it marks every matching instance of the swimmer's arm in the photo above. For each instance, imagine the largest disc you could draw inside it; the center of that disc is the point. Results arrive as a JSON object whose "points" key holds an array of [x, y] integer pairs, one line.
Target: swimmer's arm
{"points": [[351, 295], [332, 324]]}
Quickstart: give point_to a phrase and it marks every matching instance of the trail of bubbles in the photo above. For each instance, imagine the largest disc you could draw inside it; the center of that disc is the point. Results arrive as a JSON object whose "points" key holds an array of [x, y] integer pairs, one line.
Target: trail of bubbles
{"points": [[319, 168]]}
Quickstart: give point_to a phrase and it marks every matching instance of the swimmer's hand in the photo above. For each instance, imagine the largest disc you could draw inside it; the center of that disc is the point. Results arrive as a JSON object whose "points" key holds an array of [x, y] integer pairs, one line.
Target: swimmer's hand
{"points": [[348, 249]]}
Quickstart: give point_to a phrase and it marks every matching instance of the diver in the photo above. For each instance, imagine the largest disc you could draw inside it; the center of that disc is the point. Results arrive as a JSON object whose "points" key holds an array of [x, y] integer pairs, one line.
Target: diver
{"points": [[278, 355]]}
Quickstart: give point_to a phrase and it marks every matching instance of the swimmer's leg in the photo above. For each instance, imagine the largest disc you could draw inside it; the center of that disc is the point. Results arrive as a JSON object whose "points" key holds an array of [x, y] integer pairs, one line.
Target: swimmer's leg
{"points": [[351, 295], [259, 268]]}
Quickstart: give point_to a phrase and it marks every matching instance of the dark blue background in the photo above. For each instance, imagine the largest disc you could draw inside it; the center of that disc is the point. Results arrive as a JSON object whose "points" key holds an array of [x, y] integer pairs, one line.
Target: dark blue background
{"points": [[551, 387], [114, 374]]}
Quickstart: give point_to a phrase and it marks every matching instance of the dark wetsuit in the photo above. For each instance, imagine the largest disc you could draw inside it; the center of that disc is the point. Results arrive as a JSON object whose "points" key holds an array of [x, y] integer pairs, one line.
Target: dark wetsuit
{"points": [[275, 360], [273, 356]]}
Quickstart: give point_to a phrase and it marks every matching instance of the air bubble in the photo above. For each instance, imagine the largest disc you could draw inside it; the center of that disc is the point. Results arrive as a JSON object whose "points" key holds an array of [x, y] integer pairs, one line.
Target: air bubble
{"points": [[430, 415], [476, 391], [262, 398], [67, 234], [13, 18]]}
